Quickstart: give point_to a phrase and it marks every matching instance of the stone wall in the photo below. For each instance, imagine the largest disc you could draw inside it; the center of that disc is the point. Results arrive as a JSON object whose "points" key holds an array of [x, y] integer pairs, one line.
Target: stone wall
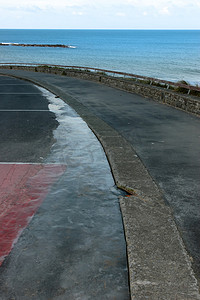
{"points": [[166, 96]]}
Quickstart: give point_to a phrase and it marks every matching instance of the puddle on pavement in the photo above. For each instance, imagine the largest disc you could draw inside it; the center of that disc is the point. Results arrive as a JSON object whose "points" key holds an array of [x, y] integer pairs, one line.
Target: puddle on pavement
{"points": [[74, 246]]}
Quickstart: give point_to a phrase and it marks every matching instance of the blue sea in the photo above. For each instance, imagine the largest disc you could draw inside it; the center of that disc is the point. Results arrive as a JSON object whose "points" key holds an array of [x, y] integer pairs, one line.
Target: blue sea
{"points": [[166, 54]]}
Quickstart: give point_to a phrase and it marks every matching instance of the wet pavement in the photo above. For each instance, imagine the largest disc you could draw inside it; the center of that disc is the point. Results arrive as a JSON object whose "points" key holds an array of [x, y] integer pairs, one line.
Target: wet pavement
{"points": [[71, 245], [167, 143], [167, 140]]}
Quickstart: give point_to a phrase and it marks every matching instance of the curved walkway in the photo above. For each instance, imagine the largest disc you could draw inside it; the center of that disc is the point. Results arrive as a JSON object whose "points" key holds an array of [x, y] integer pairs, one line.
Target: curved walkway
{"points": [[53, 168], [159, 266]]}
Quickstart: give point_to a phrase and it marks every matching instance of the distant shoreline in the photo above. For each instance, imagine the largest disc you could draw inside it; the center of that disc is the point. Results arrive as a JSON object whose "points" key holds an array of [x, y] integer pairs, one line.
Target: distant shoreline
{"points": [[37, 45]]}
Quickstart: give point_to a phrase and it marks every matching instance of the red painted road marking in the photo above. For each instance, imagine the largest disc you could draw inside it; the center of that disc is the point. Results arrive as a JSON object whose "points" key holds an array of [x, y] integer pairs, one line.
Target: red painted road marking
{"points": [[23, 187]]}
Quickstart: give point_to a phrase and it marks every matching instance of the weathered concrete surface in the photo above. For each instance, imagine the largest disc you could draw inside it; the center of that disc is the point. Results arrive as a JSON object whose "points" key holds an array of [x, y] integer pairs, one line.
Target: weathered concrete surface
{"points": [[160, 267], [158, 262]]}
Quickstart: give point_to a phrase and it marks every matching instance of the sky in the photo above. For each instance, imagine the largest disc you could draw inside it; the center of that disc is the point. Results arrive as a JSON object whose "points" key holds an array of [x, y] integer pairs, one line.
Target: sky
{"points": [[100, 14]]}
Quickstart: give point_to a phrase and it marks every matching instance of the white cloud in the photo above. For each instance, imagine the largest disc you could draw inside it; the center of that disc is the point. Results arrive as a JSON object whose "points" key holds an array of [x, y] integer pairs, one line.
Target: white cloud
{"points": [[77, 13], [120, 14], [164, 11], [70, 3], [114, 13], [42, 4]]}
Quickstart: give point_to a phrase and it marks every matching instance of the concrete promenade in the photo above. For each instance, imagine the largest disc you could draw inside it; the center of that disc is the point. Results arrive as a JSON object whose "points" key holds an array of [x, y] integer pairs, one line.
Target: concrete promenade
{"points": [[153, 151]]}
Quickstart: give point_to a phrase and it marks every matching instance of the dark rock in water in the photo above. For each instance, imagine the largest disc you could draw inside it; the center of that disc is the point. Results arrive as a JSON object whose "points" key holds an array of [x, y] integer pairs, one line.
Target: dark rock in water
{"points": [[36, 45]]}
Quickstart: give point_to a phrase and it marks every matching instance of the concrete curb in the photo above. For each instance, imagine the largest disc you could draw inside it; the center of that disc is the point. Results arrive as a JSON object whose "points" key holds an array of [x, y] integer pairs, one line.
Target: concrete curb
{"points": [[159, 265]]}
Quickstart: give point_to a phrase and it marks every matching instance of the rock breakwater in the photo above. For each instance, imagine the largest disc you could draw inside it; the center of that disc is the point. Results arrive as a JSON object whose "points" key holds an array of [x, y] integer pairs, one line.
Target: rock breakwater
{"points": [[37, 45]]}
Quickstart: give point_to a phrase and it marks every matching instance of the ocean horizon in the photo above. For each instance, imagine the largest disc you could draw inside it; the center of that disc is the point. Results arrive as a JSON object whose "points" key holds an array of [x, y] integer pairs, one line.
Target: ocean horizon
{"points": [[165, 54]]}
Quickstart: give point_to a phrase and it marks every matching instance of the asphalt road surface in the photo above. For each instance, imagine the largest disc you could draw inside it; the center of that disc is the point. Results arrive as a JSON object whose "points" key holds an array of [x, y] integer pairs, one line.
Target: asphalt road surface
{"points": [[58, 203], [25, 121], [167, 141]]}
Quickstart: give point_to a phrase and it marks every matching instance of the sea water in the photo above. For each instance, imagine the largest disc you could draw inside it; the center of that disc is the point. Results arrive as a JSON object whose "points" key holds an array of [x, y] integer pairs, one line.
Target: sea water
{"points": [[166, 54]]}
